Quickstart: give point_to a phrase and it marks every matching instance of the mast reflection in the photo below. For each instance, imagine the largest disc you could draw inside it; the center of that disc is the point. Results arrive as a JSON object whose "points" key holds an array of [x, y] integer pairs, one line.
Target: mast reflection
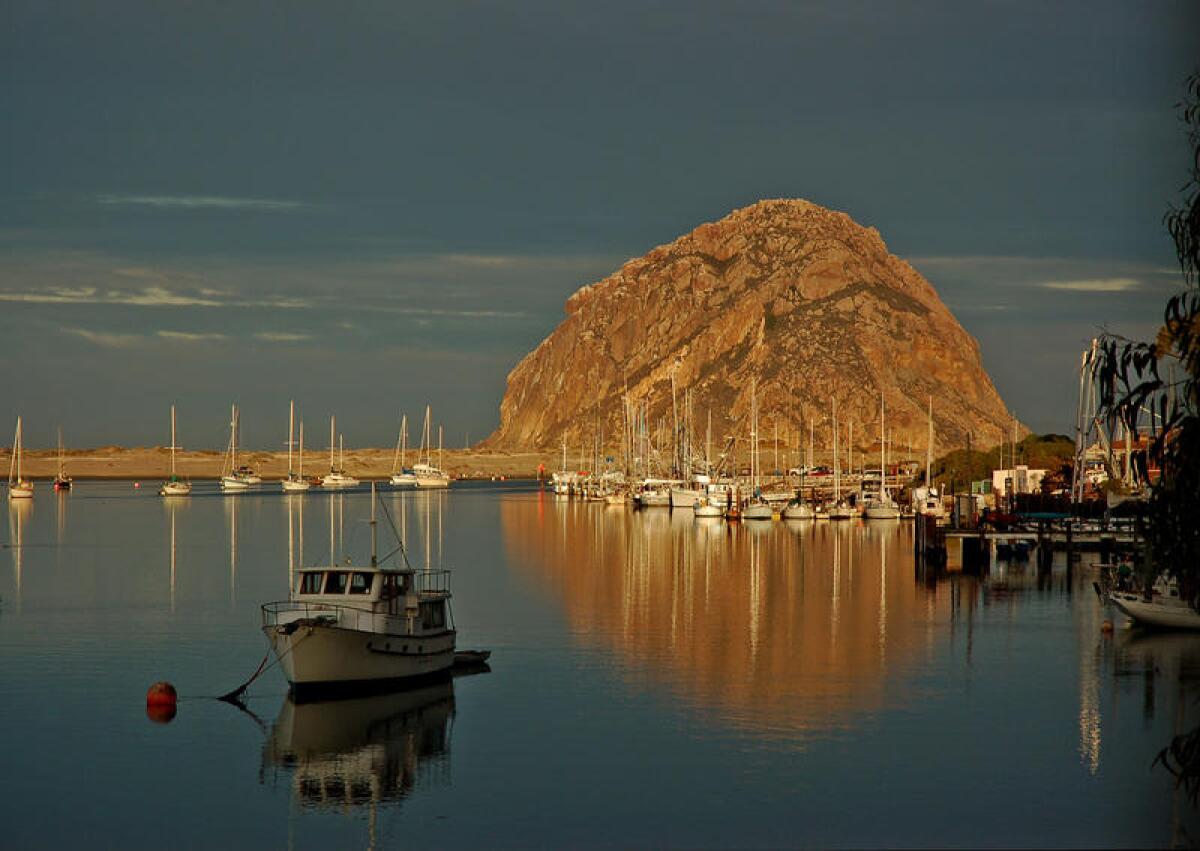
{"points": [[772, 628], [19, 512]]}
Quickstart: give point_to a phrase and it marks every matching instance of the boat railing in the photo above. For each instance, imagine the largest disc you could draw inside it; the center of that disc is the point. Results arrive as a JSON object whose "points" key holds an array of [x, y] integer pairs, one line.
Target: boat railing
{"points": [[432, 581], [348, 617]]}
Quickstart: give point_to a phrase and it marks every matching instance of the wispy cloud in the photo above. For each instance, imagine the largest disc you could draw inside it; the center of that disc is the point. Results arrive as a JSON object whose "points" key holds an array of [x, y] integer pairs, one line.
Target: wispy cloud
{"points": [[1095, 285], [189, 336], [201, 202], [281, 337], [150, 297], [106, 340]]}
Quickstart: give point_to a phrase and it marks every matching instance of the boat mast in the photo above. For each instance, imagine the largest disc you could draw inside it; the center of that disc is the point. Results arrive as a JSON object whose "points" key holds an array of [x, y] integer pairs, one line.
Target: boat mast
{"points": [[332, 441], [929, 448], [291, 433], [374, 556], [60, 453], [440, 448], [300, 473], [396, 461], [172, 443], [882, 453]]}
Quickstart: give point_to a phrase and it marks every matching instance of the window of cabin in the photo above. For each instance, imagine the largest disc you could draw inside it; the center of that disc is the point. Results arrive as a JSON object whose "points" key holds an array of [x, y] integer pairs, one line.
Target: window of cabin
{"points": [[310, 583], [433, 615], [360, 583], [336, 583]]}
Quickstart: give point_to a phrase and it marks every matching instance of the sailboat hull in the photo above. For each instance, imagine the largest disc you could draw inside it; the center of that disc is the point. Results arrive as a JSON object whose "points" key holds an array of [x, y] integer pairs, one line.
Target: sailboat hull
{"points": [[21, 491]]}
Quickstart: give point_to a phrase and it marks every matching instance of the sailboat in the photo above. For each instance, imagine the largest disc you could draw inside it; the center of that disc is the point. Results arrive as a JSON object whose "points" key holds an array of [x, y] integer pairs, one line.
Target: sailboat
{"points": [[337, 476], [881, 506], [233, 477], [929, 502], [757, 508], [429, 476], [840, 509], [18, 488], [295, 481], [402, 477], [62, 482], [174, 486]]}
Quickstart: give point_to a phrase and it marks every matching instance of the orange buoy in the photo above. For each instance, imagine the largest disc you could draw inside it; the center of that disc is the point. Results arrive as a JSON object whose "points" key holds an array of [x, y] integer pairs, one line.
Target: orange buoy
{"points": [[1106, 627], [161, 694]]}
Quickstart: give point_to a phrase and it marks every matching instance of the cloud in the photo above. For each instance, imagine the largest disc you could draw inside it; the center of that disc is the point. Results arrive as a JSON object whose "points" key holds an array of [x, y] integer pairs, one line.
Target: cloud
{"points": [[281, 336], [108, 341], [150, 297], [189, 336], [201, 202], [1095, 285]]}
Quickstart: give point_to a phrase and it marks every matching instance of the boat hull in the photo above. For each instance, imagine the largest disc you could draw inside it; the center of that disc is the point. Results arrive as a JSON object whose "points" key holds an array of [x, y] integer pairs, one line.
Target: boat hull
{"points": [[757, 512], [229, 483], [881, 512], [798, 512], [319, 658], [175, 489], [1174, 615], [295, 485], [432, 482], [20, 492], [404, 480]]}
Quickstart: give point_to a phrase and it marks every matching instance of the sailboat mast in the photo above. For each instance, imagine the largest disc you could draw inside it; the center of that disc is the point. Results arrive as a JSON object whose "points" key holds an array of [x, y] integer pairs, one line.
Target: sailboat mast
{"points": [[17, 450], [929, 447], [882, 453], [440, 448], [301, 459], [60, 453], [172, 442], [837, 473], [291, 432], [332, 441]]}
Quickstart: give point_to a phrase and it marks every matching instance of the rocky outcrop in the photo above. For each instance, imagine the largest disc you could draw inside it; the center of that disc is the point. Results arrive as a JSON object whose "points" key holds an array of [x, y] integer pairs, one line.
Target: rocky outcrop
{"points": [[796, 296]]}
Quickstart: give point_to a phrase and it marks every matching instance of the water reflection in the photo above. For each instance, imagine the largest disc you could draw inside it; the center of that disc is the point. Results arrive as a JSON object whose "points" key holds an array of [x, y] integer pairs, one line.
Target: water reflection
{"points": [[346, 754], [774, 627], [19, 513]]}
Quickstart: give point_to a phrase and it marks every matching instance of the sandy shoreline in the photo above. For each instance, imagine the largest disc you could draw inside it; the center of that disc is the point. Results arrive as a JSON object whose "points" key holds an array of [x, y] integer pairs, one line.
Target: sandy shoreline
{"points": [[153, 462]]}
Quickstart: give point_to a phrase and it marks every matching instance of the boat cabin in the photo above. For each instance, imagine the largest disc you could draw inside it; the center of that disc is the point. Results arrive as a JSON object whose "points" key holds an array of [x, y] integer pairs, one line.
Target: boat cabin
{"points": [[418, 596]]}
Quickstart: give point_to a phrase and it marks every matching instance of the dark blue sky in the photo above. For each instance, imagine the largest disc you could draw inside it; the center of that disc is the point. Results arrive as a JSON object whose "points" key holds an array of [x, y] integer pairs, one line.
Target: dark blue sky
{"points": [[369, 206]]}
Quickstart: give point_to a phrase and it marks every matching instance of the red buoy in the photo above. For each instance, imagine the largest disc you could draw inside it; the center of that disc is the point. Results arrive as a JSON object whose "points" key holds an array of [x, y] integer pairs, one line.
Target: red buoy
{"points": [[137, 484], [161, 694]]}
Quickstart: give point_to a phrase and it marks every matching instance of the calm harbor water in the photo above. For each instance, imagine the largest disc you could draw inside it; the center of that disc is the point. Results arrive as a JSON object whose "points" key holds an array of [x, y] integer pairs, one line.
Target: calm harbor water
{"points": [[656, 681]]}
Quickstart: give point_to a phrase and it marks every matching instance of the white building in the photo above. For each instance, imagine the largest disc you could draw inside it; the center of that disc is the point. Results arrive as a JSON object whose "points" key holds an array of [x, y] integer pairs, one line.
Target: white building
{"points": [[1020, 480]]}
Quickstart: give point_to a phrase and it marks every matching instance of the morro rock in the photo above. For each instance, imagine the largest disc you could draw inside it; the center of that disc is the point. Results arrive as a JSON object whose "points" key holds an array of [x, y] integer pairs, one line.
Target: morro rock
{"points": [[796, 296]]}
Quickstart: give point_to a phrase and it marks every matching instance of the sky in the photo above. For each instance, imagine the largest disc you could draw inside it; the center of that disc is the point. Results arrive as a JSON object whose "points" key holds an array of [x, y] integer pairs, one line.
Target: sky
{"points": [[373, 206]]}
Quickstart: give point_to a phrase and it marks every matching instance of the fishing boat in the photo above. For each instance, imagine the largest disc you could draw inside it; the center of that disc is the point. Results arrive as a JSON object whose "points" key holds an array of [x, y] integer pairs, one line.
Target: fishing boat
{"points": [[174, 486], [235, 478], [18, 487], [348, 628], [706, 506], [337, 477], [402, 477], [1164, 610], [427, 475], [295, 481]]}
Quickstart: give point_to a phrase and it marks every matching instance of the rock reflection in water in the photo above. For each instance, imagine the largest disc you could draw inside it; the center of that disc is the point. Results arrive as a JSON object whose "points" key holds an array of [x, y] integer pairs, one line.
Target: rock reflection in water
{"points": [[365, 751], [784, 629]]}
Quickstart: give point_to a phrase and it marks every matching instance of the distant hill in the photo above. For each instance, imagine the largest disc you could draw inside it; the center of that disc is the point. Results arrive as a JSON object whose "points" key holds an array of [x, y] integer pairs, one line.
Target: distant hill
{"points": [[797, 296]]}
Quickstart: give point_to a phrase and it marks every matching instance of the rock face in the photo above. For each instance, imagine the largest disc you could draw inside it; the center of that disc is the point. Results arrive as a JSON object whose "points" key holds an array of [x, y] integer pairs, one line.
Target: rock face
{"points": [[798, 297]]}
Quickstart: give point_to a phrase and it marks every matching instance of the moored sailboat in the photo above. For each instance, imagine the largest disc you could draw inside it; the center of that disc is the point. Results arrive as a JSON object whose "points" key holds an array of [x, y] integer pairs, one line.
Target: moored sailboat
{"points": [[18, 487], [236, 478], [62, 482], [295, 481], [402, 477], [337, 477], [174, 486], [427, 475]]}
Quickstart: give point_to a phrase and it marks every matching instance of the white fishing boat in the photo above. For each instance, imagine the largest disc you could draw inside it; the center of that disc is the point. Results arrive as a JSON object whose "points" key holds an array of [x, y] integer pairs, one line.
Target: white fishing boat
{"points": [[18, 487], [295, 481], [236, 478], [402, 477], [880, 505], [1164, 610], [706, 506], [427, 475], [174, 486], [337, 478], [363, 628]]}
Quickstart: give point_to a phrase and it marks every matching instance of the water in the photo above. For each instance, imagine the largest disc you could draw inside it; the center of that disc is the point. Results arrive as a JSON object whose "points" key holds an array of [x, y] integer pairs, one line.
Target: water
{"points": [[655, 682]]}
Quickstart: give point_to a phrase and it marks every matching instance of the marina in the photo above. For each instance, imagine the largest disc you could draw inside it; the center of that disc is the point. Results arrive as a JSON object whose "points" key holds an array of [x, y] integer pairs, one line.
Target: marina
{"points": [[858, 664]]}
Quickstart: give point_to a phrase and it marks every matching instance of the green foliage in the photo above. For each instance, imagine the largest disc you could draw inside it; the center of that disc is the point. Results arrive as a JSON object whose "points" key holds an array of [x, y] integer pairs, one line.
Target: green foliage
{"points": [[1132, 381]]}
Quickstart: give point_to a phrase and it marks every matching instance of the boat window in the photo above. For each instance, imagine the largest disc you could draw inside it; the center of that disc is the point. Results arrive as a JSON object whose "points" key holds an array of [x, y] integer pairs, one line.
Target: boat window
{"points": [[310, 583], [433, 615], [360, 583], [336, 583]]}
